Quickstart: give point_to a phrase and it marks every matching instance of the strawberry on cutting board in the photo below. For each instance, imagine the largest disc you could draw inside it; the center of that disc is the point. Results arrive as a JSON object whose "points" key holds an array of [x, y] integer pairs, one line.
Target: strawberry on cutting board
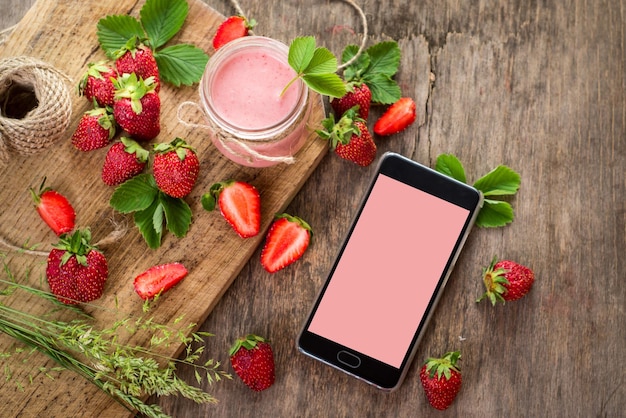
{"points": [[441, 380], [286, 241], [76, 271], [124, 160], [97, 83], [158, 279], [396, 118], [506, 280], [95, 130], [175, 167], [232, 28], [252, 359], [137, 106], [54, 208], [239, 203], [135, 57]]}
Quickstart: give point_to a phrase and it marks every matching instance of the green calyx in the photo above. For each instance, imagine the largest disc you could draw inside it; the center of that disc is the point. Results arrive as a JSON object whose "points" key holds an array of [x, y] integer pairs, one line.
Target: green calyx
{"points": [[178, 145], [209, 199], [296, 219], [341, 131], [438, 367], [132, 147], [495, 281], [77, 244], [129, 86], [248, 342]]}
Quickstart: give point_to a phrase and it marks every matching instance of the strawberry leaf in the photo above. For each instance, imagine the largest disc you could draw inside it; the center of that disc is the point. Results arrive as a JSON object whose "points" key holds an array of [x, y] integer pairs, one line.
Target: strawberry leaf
{"points": [[494, 213], [323, 62], [316, 66], [301, 53], [384, 58], [500, 181], [135, 194], [326, 84], [115, 31], [145, 221], [177, 215], [162, 19], [449, 165], [181, 64]]}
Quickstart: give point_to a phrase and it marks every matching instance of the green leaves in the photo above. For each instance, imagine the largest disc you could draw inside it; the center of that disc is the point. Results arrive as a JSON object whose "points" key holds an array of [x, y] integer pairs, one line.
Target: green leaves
{"points": [[316, 66], [501, 181], [159, 21], [152, 209]]}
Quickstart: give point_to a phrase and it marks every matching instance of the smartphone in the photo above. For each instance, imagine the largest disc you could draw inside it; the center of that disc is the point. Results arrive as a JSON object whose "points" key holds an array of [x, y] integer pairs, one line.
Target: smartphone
{"points": [[390, 271]]}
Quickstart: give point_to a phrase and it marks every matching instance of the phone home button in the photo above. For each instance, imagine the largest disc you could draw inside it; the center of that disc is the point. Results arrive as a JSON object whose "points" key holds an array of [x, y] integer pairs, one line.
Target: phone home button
{"points": [[348, 359]]}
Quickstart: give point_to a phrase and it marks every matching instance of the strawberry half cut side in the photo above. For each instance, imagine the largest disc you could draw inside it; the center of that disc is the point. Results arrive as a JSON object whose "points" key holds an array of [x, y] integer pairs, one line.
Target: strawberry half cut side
{"points": [[159, 279]]}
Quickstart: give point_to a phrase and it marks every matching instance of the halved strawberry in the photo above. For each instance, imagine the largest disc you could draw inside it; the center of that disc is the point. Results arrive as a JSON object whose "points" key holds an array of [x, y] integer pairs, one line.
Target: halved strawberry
{"points": [[159, 279], [232, 28], [397, 118], [240, 205], [287, 240], [54, 208]]}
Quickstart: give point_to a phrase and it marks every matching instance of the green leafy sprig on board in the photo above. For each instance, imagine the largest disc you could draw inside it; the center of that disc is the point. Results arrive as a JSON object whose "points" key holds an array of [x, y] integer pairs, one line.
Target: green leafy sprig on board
{"points": [[159, 21], [153, 210], [499, 182]]}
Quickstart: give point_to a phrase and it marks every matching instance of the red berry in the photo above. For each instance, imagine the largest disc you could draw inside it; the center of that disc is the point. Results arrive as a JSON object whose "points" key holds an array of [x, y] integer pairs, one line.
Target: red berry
{"points": [[441, 380], [95, 130], [175, 168], [124, 160], [359, 95], [158, 279], [286, 241], [137, 58], [398, 117], [232, 28], [55, 210], [137, 107], [252, 359], [239, 203], [506, 281], [349, 138], [97, 83]]}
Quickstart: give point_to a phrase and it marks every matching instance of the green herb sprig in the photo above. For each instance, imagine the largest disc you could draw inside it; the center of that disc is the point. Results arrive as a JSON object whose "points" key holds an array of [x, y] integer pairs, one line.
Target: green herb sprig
{"points": [[159, 21], [499, 182]]}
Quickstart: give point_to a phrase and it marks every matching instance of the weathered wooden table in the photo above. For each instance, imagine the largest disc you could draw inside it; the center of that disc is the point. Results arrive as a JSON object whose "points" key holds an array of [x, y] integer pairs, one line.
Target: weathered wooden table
{"points": [[540, 87]]}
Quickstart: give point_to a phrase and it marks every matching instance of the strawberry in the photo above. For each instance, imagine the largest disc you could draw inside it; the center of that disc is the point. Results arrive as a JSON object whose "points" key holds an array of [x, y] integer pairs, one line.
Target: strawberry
{"points": [[398, 117], [95, 130], [232, 28], [54, 208], [175, 168], [137, 107], [135, 57], [286, 241], [240, 205], [97, 83], [506, 281], [360, 95], [441, 380], [124, 160], [158, 279], [252, 359], [76, 270], [349, 138]]}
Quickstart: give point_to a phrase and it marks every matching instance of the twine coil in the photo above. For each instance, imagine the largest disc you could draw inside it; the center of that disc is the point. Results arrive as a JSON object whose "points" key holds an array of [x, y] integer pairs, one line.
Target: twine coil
{"points": [[46, 122]]}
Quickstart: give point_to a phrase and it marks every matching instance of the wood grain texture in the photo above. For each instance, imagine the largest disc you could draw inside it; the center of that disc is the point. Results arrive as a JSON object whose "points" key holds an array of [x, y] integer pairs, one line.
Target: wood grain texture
{"points": [[539, 86]]}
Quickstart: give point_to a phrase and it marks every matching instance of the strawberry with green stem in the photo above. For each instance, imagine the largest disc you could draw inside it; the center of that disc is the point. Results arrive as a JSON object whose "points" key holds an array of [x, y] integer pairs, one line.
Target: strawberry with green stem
{"points": [[54, 209], [76, 271], [441, 380], [175, 168], [95, 129], [136, 57], [97, 83], [239, 203], [285, 243], [232, 28], [137, 107], [252, 359], [124, 160], [506, 280]]}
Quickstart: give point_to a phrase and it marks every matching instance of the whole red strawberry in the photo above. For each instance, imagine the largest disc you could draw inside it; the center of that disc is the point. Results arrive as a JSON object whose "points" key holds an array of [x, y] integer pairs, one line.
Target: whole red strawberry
{"points": [[232, 28], [137, 107], [252, 359], [76, 270], [97, 83], [124, 160], [398, 117], [95, 130], [506, 281], [349, 138], [135, 57], [441, 380], [175, 168], [54, 208], [286, 241], [360, 95], [239, 203]]}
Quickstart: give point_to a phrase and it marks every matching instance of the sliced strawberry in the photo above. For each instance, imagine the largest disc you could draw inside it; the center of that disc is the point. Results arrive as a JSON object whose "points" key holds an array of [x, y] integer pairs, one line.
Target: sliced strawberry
{"points": [[54, 208], [240, 205], [398, 117], [286, 241], [232, 28], [159, 279]]}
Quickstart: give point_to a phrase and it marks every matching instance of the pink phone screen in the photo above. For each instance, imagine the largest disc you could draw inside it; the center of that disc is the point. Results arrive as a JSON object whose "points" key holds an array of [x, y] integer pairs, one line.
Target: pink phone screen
{"points": [[389, 270]]}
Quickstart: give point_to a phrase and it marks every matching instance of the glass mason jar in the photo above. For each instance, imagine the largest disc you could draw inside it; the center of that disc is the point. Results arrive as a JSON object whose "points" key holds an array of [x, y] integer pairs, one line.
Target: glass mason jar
{"points": [[254, 119]]}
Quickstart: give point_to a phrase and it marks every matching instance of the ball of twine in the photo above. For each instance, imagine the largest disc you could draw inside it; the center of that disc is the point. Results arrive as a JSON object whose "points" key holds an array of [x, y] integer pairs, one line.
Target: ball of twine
{"points": [[35, 106]]}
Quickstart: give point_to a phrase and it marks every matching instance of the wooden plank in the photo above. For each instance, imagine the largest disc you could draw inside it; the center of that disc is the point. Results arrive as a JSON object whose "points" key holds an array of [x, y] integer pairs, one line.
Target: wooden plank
{"points": [[62, 33]]}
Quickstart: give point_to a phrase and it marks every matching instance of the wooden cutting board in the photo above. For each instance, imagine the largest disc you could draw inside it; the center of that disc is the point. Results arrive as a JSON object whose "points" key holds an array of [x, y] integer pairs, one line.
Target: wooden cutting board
{"points": [[62, 33]]}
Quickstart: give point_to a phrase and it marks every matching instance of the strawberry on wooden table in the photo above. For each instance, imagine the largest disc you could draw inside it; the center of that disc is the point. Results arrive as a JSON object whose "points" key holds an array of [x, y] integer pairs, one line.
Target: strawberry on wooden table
{"points": [[95, 130], [358, 94], [137, 107], [97, 83], [349, 137], [232, 28], [239, 203], [175, 168], [286, 241], [441, 380], [397, 118], [76, 271], [54, 208], [506, 280], [135, 57], [252, 359], [158, 279], [124, 160]]}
